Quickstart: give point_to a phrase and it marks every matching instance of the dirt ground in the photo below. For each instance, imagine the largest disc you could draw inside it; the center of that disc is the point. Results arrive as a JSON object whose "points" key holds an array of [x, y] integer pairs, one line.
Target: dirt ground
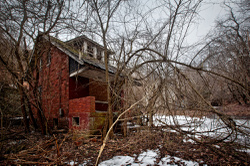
{"points": [[64, 148], [236, 110]]}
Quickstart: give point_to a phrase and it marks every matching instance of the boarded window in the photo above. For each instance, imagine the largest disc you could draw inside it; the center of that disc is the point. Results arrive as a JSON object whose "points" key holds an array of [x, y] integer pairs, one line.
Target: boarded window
{"points": [[76, 121]]}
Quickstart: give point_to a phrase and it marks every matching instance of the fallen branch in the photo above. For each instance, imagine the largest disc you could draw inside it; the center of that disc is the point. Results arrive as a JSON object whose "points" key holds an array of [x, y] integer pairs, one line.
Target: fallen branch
{"points": [[106, 137]]}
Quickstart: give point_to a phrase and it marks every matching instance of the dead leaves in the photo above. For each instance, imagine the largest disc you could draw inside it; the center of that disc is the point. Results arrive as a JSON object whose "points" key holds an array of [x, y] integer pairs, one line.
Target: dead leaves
{"points": [[62, 149]]}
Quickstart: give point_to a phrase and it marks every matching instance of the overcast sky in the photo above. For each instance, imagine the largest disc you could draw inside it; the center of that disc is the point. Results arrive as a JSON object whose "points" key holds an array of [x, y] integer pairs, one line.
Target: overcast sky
{"points": [[209, 12]]}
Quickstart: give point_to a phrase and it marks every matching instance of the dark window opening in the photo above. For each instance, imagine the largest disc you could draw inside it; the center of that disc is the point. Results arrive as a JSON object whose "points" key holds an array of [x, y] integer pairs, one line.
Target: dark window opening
{"points": [[90, 51], [76, 121], [55, 123], [61, 112], [99, 55]]}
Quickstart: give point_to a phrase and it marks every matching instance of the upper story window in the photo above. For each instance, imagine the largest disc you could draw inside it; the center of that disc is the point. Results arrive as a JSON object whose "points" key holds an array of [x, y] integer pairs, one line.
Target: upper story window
{"points": [[49, 58], [99, 55], [90, 51], [41, 63]]}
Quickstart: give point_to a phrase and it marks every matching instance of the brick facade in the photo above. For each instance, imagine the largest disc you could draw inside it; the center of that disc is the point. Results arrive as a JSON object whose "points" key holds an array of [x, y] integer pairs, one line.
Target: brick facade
{"points": [[74, 96], [81, 108], [54, 86], [75, 102]]}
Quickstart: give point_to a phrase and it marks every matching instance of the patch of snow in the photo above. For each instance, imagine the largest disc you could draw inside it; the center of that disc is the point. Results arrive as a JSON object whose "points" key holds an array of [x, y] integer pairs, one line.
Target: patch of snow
{"points": [[12, 143], [117, 161], [217, 146], [169, 130], [212, 127], [148, 157], [144, 159], [76, 163], [73, 163], [189, 140], [244, 150], [167, 161]]}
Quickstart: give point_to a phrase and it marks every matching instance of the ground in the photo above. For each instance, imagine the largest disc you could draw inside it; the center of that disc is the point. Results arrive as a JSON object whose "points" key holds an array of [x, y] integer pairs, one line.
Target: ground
{"points": [[63, 149], [160, 143]]}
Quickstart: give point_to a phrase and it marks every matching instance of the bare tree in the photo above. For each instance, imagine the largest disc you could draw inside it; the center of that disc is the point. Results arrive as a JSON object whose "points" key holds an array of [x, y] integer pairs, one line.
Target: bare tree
{"points": [[20, 23], [228, 53]]}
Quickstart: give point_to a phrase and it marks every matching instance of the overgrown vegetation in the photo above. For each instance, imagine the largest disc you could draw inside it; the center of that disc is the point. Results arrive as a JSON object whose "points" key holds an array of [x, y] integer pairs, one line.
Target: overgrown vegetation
{"points": [[161, 73], [64, 148]]}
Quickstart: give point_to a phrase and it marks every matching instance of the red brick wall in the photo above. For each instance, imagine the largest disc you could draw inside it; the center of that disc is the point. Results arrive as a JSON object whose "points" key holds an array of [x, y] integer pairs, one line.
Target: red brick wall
{"points": [[81, 107], [54, 80]]}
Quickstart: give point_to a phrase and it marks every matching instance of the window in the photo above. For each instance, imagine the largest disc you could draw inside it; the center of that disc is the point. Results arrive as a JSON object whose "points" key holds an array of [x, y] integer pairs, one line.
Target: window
{"points": [[41, 63], [49, 59], [99, 55], [55, 123], [90, 51], [76, 121], [61, 113]]}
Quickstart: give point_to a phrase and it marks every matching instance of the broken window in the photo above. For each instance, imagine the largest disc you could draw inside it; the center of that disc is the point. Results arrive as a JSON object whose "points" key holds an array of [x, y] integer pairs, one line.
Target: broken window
{"points": [[76, 121]]}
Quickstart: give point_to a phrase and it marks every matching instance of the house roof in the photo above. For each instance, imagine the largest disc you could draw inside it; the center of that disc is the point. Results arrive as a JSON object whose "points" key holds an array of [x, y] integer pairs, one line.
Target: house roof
{"points": [[74, 54]]}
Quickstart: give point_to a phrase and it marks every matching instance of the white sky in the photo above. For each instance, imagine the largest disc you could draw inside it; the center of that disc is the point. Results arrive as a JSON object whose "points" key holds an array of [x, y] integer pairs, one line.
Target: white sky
{"points": [[208, 15], [209, 12]]}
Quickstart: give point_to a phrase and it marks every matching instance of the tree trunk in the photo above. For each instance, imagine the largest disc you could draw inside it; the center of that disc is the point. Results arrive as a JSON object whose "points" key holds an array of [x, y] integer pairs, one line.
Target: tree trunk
{"points": [[124, 126], [25, 120], [31, 113], [110, 113]]}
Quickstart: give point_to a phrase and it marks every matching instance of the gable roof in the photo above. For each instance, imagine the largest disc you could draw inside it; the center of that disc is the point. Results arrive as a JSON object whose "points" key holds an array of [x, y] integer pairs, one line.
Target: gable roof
{"points": [[82, 38], [74, 54]]}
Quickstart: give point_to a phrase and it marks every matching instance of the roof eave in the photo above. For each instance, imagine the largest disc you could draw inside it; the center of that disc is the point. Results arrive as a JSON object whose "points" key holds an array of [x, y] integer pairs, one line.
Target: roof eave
{"points": [[70, 54]]}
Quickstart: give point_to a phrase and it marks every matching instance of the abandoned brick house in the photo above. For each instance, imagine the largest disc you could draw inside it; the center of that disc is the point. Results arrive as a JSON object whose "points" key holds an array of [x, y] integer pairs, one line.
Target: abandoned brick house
{"points": [[72, 83]]}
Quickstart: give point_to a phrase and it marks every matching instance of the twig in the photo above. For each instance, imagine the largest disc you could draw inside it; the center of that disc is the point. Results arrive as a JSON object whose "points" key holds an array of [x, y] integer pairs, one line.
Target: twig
{"points": [[57, 147]]}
